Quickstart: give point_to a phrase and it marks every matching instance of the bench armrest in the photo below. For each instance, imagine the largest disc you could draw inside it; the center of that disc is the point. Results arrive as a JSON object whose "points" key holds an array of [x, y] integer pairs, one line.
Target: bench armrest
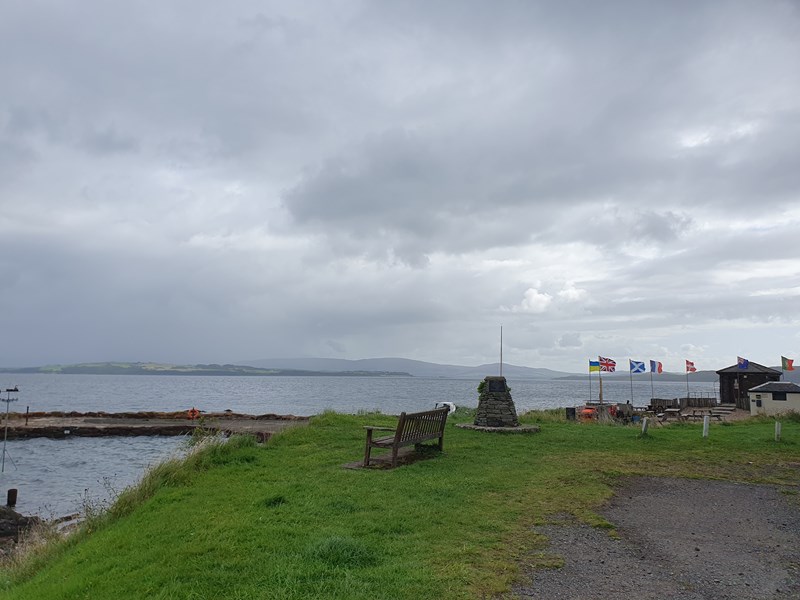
{"points": [[378, 428]]}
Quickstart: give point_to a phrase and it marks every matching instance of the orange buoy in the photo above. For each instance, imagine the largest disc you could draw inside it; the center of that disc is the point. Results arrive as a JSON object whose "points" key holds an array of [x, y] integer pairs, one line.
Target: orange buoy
{"points": [[193, 413]]}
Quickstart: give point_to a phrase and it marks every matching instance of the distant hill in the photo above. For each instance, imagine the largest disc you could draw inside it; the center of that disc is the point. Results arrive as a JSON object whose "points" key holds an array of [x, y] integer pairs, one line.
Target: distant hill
{"points": [[793, 376], [368, 367], [417, 368], [698, 376], [121, 368]]}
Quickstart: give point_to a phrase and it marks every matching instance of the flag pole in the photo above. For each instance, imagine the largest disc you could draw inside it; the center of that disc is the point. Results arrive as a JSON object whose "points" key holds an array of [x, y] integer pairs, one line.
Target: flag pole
{"points": [[590, 381], [652, 392], [687, 384], [630, 372], [600, 379], [501, 350], [738, 388]]}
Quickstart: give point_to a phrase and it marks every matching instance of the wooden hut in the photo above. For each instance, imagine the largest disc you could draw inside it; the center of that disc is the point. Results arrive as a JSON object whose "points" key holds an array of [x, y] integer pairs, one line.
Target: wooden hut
{"points": [[735, 382]]}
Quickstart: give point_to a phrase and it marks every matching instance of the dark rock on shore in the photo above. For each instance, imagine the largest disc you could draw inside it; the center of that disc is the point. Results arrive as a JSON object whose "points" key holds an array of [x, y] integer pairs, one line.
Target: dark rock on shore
{"points": [[12, 525]]}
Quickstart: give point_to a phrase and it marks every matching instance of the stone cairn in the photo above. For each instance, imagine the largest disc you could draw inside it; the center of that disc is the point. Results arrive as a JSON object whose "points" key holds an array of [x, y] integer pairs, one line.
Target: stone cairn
{"points": [[495, 406]]}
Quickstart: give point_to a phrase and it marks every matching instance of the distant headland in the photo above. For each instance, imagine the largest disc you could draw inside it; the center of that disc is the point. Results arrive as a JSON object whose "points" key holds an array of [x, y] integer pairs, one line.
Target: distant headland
{"points": [[137, 368], [369, 367]]}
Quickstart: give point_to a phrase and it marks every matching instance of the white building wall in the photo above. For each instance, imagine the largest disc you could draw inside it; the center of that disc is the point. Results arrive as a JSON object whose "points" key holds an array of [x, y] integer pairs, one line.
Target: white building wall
{"points": [[771, 407]]}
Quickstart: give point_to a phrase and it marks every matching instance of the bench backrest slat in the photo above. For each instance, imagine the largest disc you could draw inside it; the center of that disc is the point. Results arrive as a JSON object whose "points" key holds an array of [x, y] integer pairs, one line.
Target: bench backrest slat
{"points": [[412, 426]]}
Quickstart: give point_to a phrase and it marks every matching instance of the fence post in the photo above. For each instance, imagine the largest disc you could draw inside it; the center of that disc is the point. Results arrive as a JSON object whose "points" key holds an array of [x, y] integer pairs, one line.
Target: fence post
{"points": [[705, 426], [777, 431], [644, 426]]}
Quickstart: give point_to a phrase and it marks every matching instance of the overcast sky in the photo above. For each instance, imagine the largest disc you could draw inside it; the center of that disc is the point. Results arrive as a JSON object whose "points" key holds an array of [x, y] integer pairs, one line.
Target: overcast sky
{"points": [[214, 182]]}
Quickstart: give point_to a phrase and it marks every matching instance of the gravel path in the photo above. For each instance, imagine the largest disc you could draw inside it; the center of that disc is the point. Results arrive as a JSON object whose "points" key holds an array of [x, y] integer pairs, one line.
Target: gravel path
{"points": [[679, 538]]}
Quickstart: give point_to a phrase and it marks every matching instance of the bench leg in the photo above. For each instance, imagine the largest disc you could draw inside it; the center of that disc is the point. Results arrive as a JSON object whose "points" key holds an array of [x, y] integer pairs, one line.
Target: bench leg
{"points": [[368, 448], [394, 456]]}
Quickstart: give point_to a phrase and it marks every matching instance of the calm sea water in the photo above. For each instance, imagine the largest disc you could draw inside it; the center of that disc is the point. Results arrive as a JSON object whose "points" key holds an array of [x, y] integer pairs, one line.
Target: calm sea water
{"points": [[54, 477]]}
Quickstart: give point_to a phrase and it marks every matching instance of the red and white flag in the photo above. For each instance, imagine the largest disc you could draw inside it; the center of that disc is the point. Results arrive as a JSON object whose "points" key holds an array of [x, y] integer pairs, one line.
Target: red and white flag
{"points": [[606, 364], [690, 368]]}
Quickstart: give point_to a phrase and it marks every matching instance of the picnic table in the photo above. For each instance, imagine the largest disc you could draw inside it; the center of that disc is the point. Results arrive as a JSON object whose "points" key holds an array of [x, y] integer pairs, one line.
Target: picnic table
{"points": [[671, 413], [717, 412]]}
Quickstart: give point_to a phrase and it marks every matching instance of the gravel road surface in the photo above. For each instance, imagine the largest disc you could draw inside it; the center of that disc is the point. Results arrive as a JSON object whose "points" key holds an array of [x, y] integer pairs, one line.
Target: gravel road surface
{"points": [[682, 539]]}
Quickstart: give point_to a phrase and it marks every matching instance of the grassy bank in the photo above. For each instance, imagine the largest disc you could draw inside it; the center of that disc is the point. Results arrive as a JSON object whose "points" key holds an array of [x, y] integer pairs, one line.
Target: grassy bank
{"points": [[285, 520]]}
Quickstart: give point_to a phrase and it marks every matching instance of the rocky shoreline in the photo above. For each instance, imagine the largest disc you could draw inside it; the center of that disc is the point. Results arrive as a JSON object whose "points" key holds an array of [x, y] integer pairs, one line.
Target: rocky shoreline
{"points": [[62, 425], [13, 526]]}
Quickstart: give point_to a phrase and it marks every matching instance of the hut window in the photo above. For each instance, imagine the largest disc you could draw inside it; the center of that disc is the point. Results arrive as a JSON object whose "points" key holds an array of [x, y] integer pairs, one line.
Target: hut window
{"points": [[779, 395], [758, 396]]}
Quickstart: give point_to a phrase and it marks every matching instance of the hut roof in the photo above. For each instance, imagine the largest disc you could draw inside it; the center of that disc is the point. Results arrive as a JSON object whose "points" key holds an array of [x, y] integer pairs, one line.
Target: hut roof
{"points": [[751, 368], [777, 386]]}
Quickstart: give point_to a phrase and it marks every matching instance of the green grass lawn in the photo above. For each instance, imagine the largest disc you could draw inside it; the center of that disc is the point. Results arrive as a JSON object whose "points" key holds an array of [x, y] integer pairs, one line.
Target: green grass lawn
{"points": [[285, 520]]}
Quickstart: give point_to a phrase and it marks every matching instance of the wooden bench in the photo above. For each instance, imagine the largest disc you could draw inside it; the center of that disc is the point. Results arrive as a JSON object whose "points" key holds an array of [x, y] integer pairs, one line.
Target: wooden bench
{"points": [[412, 428]]}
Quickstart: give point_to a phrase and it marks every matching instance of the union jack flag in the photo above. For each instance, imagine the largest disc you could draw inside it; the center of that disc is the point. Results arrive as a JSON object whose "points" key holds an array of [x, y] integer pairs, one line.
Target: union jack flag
{"points": [[607, 365]]}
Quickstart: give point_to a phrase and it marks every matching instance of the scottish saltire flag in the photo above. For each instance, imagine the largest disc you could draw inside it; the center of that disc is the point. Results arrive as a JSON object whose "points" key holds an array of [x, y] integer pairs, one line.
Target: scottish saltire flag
{"points": [[594, 365], [655, 366], [742, 363], [690, 368], [606, 364], [787, 364], [636, 366]]}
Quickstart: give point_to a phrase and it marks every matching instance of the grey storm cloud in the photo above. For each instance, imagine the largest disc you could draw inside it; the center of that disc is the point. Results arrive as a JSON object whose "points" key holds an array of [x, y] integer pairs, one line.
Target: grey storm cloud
{"points": [[192, 181]]}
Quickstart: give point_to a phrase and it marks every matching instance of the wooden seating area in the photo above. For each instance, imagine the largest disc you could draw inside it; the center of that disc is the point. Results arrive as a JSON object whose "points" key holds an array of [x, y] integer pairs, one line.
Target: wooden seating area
{"points": [[412, 429]]}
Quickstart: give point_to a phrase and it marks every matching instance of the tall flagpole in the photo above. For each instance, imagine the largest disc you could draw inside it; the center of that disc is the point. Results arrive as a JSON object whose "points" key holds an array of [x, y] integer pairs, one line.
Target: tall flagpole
{"points": [[501, 350], [652, 392], [687, 384], [590, 381], [630, 373], [738, 387], [600, 381]]}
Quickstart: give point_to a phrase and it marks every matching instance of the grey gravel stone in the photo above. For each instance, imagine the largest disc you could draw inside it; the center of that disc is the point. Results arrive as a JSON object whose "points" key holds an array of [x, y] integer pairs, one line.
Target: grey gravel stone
{"points": [[682, 539]]}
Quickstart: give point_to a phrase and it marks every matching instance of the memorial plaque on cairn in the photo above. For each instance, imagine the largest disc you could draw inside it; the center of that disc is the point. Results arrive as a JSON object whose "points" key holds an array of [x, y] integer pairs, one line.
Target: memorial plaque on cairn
{"points": [[495, 406]]}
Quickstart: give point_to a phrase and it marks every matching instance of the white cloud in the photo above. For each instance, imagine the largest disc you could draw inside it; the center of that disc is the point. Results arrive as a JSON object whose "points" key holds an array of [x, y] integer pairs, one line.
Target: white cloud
{"points": [[397, 178], [533, 301], [572, 294]]}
